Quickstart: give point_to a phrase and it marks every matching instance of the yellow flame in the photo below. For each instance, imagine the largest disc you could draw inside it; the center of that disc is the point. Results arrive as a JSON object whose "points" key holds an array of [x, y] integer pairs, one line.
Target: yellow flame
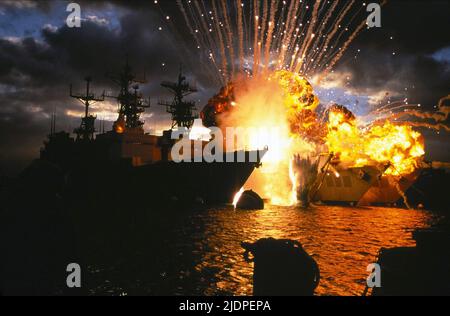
{"points": [[398, 146], [273, 102], [286, 101]]}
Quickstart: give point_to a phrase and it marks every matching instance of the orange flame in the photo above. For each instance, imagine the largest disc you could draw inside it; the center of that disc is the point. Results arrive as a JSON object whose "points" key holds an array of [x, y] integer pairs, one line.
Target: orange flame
{"points": [[397, 146], [286, 100]]}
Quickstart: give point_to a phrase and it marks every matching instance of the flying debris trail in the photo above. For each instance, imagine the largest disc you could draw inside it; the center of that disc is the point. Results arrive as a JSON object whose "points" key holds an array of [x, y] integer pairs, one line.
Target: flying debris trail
{"points": [[204, 26], [323, 25], [266, 7], [197, 39], [208, 37], [337, 40], [229, 32], [402, 194], [273, 11], [267, 34], [279, 30], [344, 48], [221, 42], [240, 33], [309, 35], [438, 117], [285, 32], [188, 23], [325, 47], [436, 126], [256, 36]]}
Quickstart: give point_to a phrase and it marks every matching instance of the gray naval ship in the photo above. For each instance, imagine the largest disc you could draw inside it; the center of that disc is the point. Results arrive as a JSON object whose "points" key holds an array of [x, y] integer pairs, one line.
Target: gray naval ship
{"points": [[130, 162]]}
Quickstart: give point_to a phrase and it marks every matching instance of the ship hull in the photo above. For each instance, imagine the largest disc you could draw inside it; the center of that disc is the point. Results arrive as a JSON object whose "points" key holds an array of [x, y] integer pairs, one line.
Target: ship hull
{"points": [[340, 185], [388, 190], [347, 188], [163, 182]]}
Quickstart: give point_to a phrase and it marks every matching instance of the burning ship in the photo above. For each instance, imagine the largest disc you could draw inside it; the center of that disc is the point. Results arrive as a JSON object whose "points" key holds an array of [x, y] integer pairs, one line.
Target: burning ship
{"points": [[339, 184], [355, 163], [129, 161]]}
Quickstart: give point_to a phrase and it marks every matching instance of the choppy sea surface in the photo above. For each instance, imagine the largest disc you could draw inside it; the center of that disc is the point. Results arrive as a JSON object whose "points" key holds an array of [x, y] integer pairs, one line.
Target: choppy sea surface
{"points": [[199, 253]]}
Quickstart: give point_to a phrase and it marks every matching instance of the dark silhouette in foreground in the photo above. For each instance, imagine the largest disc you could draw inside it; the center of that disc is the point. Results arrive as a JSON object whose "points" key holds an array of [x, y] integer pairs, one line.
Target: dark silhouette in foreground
{"points": [[250, 201], [423, 270], [36, 233], [282, 268]]}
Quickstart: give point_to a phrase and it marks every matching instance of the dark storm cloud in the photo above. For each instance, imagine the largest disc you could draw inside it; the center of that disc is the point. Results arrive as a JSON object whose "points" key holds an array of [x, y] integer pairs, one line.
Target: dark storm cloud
{"points": [[15, 5], [399, 59], [35, 72], [399, 54]]}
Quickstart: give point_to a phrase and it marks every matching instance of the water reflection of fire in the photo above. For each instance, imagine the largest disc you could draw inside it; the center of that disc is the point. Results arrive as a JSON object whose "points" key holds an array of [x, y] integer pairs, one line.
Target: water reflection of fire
{"points": [[286, 101]]}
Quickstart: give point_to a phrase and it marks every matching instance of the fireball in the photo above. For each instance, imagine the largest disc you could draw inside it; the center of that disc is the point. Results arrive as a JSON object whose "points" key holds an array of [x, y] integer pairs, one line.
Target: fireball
{"points": [[280, 107], [283, 106], [395, 146]]}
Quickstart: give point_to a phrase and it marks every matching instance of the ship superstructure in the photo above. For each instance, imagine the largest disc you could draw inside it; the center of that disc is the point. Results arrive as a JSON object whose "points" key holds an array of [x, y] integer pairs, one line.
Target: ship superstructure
{"points": [[182, 111], [337, 184], [130, 162], [87, 130]]}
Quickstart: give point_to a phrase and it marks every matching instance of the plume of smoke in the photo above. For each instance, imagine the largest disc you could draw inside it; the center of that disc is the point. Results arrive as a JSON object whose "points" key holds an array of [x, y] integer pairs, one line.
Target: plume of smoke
{"points": [[402, 194], [439, 117]]}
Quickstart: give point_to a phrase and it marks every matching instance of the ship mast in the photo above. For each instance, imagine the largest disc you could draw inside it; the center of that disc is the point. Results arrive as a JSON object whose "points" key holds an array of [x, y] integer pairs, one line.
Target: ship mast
{"points": [[182, 111], [87, 129], [131, 102]]}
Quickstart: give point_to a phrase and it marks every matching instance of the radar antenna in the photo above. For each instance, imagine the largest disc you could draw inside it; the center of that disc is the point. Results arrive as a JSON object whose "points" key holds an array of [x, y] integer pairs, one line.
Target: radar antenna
{"points": [[87, 129], [131, 103], [182, 111]]}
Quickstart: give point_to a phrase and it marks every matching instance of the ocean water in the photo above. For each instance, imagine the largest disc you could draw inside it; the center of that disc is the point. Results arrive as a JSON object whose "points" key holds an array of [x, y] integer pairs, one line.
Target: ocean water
{"points": [[199, 253]]}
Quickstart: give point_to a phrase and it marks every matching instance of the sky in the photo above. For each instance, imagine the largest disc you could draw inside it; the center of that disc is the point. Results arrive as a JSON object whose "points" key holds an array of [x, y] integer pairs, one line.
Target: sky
{"points": [[407, 58]]}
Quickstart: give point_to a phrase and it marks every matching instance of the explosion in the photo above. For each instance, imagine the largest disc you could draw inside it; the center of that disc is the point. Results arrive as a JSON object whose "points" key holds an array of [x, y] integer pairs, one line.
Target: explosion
{"points": [[261, 53], [395, 146], [284, 104]]}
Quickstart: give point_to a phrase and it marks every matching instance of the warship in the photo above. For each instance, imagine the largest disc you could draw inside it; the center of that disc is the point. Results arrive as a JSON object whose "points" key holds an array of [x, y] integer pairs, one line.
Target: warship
{"points": [[388, 190], [337, 184], [128, 162]]}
